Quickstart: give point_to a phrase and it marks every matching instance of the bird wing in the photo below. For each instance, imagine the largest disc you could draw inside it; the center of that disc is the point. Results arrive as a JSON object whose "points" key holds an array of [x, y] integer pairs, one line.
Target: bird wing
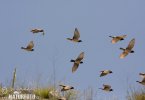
{"points": [[143, 80], [131, 44], [62, 85], [34, 30], [102, 71], [76, 34], [30, 45], [105, 72], [124, 54], [80, 57], [102, 74], [106, 86], [114, 40], [142, 75], [75, 67], [121, 36]]}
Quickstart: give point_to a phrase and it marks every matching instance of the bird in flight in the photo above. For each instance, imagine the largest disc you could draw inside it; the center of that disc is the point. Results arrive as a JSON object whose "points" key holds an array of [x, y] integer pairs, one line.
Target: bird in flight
{"points": [[37, 31], [76, 36], [143, 80], [105, 72], [29, 46], [77, 62], [66, 87], [115, 39], [106, 88], [128, 49]]}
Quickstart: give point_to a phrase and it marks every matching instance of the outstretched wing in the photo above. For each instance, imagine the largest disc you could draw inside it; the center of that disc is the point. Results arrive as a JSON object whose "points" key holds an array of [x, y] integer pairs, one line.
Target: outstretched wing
{"points": [[62, 85], [34, 30], [131, 44], [75, 67], [76, 34], [121, 36], [114, 40], [30, 45], [143, 80], [80, 57], [123, 55], [142, 75], [102, 74], [107, 86]]}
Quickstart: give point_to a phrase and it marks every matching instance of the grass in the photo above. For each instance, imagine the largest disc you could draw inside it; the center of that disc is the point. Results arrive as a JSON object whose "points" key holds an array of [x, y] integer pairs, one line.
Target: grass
{"points": [[52, 94], [5, 92], [134, 94], [46, 93]]}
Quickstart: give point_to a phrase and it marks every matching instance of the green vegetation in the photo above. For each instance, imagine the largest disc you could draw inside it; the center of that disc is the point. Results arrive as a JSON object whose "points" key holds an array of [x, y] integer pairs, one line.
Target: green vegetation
{"points": [[14, 78], [44, 93], [52, 94], [48, 93]]}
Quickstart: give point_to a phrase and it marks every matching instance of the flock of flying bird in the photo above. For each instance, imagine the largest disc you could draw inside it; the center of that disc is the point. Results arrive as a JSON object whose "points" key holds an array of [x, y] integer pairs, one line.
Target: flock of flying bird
{"points": [[78, 60]]}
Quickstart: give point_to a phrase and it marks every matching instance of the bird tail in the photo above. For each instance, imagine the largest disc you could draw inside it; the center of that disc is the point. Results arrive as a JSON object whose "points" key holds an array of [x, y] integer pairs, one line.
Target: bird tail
{"points": [[22, 48], [68, 38], [111, 36], [122, 49]]}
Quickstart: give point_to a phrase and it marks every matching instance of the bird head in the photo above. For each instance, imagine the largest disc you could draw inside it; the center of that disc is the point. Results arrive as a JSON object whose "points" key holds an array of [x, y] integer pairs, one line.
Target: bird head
{"points": [[111, 89], [80, 41], [72, 87], [110, 72]]}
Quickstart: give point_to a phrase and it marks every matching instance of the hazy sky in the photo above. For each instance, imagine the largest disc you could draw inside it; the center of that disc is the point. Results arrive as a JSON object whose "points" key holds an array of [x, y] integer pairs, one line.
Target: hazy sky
{"points": [[96, 20]]}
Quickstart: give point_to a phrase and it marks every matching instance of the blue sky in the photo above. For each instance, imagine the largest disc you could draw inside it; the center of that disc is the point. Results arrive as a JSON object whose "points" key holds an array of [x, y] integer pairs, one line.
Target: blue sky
{"points": [[95, 19]]}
